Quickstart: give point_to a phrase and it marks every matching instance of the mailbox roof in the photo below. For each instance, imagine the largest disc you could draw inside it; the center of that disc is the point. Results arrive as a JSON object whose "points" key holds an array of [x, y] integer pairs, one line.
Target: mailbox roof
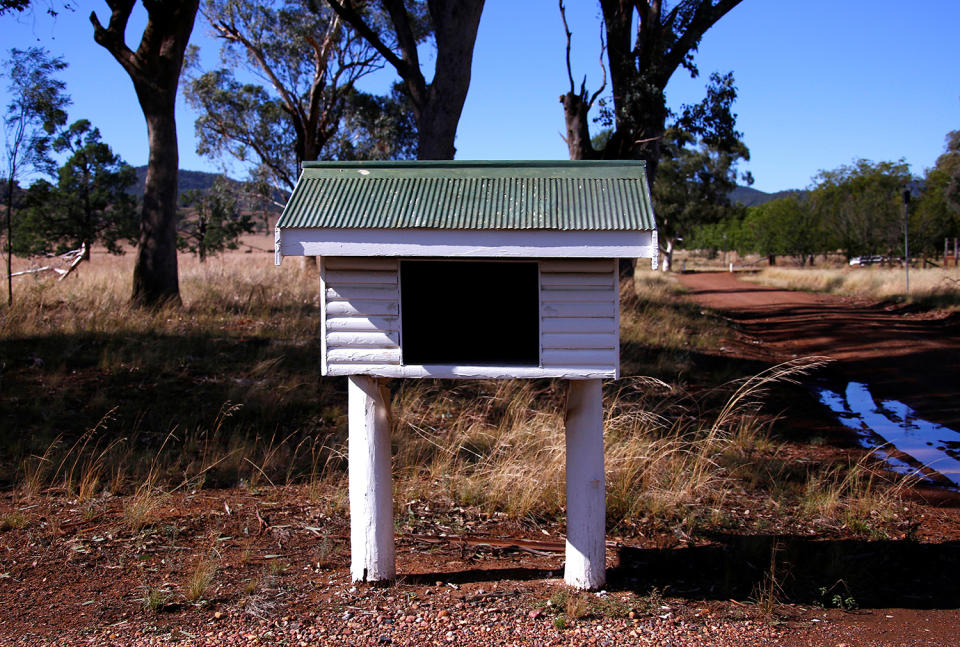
{"points": [[466, 195]]}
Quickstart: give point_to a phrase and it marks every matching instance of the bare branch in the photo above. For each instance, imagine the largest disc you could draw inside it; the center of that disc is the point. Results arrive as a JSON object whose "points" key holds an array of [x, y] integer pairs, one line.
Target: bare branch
{"points": [[705, 16], [566, 29], [603, 68], [357, 22], [401, 27], [231, 33], [111, 38]]}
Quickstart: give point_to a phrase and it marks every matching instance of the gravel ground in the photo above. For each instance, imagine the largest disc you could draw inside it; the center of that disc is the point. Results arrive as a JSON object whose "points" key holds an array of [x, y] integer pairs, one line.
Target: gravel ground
{"points": [[389, 616], [473, 628]]}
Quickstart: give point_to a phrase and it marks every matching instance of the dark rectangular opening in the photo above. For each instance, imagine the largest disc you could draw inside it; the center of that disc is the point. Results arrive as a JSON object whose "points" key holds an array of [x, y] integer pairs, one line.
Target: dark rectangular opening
{"points": [[470, 313]]}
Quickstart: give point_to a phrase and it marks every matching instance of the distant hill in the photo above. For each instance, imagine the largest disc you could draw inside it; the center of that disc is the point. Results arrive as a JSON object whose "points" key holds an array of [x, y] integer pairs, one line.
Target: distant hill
{"points": [[202, 180], [187, 181], [751, 197]]}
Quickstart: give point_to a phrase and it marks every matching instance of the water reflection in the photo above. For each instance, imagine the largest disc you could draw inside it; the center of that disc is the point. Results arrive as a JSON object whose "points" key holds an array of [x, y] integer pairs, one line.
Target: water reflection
{"points": [[928, 443]]}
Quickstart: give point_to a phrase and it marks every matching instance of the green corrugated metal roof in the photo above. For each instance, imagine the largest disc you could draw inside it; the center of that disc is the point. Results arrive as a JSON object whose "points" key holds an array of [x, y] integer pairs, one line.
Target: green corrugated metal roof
{"points": [[566, 196]]}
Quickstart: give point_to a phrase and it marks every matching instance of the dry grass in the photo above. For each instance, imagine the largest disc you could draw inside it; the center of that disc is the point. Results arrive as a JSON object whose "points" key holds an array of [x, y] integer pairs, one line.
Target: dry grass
{"points": [[76, 353], [219, 295], [935, 287], [200, 579], [507, 454], [226, 391], [660, 334], [14, 520], [859, 496]]}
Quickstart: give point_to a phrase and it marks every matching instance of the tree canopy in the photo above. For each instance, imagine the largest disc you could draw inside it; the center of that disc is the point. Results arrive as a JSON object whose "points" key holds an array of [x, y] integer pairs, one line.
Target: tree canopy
{"points": [[307, 105], [397, 31], [36, 110], [937, 213], [90, 202], [646, 41], [861, 204], [214, 222], [698, 169]]}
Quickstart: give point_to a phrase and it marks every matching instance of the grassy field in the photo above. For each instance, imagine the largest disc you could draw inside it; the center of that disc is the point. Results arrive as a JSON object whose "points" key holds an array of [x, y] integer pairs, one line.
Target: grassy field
{"points": [[100, 400], [930, 287]]}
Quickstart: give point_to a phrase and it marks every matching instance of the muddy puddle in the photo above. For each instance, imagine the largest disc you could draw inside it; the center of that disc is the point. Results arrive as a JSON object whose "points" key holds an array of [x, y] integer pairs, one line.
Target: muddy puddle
{"points": [[894, 430]]}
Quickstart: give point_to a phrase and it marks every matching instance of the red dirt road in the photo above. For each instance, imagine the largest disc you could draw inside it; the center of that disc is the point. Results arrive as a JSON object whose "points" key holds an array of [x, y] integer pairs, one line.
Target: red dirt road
{"points": [[911, 357]]}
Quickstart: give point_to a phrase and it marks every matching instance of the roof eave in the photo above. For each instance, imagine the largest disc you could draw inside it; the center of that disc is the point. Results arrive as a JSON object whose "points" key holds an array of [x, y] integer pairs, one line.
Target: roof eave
{"points": [[464, 243]]}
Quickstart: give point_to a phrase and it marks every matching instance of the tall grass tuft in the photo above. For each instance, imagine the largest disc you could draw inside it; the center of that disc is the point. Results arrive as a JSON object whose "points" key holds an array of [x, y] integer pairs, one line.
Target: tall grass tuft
{"points": [[200, 579], [858, 495], [506, 453]]}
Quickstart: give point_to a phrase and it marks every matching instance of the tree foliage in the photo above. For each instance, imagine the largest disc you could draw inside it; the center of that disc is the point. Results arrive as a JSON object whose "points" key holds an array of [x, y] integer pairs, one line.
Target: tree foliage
{"points": [[214, 222], [36, 110], [23, 6], [646, 42], [396, 29], [862, 206], [698, 169], [307, 105], [937, 213], [90, 202], [13, 6], [787, 226]]}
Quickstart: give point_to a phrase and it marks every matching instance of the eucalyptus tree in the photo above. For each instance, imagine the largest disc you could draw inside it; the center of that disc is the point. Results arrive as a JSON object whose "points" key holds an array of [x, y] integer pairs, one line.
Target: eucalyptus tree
{"points": [[303, 102], [786, 226], [861, 204], [395, 29], [216, 222], [938, 209], [154, 68], [36, 110], [646, 41], [700, 153]]}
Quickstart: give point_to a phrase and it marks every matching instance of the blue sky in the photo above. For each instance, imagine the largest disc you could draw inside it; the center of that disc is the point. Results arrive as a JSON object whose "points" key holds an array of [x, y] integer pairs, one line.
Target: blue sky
{"points": [[821, 82]]}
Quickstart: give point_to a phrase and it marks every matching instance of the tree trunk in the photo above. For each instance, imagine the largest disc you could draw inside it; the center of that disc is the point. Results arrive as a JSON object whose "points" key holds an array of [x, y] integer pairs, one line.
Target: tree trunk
{"points": [[155, 273], [437, 131], [667, 250], [455, 25], [154, 69], [772, 259], [202, 235], [575, 111], [10, 240]]}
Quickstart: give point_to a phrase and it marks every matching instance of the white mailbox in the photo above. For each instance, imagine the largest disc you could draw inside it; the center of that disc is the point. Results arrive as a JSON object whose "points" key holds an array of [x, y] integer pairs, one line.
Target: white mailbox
{"points": [[455, 269]]}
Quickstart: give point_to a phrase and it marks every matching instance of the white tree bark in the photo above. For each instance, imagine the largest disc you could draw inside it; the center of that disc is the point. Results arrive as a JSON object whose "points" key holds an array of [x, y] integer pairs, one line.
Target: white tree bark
{"points": [[586, 496], [667, 256], [372, 552]]}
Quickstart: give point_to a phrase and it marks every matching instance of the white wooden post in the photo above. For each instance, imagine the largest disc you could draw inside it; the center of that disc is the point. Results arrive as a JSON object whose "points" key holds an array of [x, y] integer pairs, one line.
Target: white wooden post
{"points": [[586, 498], [372, 554]]}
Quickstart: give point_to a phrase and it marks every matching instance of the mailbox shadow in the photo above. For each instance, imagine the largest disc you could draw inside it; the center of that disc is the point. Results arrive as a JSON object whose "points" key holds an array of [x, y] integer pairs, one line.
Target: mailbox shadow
{"points": [[804, 570], [873, 574], [475, 575]]}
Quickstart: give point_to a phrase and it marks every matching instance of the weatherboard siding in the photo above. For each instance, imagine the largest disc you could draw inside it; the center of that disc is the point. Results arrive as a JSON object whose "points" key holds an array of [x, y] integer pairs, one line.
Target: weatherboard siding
{"points": [[361, 314], [579, 314], [579, 322]]}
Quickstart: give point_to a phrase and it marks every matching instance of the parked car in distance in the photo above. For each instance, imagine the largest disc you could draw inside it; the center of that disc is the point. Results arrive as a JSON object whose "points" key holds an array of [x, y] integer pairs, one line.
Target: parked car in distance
{"points": [[860, 261]]}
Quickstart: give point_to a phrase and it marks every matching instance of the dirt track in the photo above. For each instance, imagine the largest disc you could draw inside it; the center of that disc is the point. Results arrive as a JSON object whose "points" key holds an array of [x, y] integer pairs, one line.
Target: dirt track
{"points": [[911, 357]]}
